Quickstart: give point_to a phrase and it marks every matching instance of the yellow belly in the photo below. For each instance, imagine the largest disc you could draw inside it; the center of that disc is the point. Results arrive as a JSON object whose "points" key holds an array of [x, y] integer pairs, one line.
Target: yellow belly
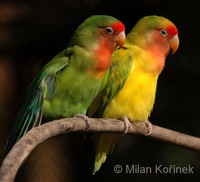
{"points": [[136, 99]]}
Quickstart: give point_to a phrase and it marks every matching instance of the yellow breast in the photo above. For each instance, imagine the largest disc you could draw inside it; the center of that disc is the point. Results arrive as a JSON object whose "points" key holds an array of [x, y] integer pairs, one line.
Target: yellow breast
{"points": [[136, 99]]}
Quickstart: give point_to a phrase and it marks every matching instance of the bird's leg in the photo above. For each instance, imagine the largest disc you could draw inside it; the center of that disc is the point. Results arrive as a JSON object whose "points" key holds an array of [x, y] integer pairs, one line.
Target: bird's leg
{"points": [[85, 118], [149, 127], [126, 124]]}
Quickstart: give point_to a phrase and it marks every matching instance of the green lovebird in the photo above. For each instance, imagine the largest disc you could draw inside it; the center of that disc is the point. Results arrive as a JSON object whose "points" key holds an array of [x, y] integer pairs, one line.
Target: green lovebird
{"points": [[67, 84], [130, 90]]}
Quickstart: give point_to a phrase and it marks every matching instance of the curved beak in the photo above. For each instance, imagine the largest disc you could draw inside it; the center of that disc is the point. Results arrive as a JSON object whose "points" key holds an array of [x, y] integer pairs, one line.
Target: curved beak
{"points": [[174, 43], [121, 38]]}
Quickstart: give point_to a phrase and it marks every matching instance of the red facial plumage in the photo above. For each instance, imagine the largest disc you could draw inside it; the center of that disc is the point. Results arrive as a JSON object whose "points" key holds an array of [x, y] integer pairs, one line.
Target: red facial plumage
{"points": [[107, 42], [172, 30], [118, 27]]}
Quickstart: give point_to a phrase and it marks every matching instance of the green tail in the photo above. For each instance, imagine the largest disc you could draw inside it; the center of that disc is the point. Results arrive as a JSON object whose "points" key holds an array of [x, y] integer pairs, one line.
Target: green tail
{"points": [[105, 146]]}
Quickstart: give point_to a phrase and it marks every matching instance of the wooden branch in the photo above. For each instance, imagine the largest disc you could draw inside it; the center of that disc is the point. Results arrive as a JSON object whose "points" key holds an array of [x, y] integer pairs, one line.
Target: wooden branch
{"points": [[39, 134]]}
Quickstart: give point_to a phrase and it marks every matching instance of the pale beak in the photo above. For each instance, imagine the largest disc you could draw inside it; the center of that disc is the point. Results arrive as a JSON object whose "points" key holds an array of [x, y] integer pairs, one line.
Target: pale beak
{"points": [[120, 38], [174, 43]]}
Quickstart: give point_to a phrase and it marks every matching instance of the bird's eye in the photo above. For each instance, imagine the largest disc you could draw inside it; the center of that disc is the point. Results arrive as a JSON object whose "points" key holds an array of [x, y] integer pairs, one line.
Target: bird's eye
{"points": [[109, 30], [163, 33]]}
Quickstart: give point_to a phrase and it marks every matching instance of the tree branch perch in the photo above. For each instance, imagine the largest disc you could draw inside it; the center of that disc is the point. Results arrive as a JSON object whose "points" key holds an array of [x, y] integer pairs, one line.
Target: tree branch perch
{"points": [[39, 134]]}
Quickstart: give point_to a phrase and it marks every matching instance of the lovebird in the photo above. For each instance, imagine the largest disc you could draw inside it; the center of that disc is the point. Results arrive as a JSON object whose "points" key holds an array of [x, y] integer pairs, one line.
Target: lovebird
{"points": [[67, 84], [131, 87]]}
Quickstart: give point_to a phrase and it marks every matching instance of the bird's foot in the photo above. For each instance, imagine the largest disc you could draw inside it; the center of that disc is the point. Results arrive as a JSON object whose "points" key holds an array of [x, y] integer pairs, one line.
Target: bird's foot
{"points": [[127, 124], [149, 127], [85, 118]]}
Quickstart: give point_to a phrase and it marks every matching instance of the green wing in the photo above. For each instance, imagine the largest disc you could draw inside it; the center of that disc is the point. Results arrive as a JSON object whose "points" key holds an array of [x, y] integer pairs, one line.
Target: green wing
{"points": [[122, 65], [31, 109], [120, 69]]}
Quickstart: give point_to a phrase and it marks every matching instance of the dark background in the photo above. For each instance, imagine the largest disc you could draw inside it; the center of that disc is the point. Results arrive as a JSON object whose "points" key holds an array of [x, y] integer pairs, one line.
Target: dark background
{"points": [[32, 32]]}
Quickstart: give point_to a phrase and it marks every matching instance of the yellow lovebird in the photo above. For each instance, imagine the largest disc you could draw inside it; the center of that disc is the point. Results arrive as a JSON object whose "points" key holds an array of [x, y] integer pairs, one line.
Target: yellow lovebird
{"points": [[131, 87]]}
